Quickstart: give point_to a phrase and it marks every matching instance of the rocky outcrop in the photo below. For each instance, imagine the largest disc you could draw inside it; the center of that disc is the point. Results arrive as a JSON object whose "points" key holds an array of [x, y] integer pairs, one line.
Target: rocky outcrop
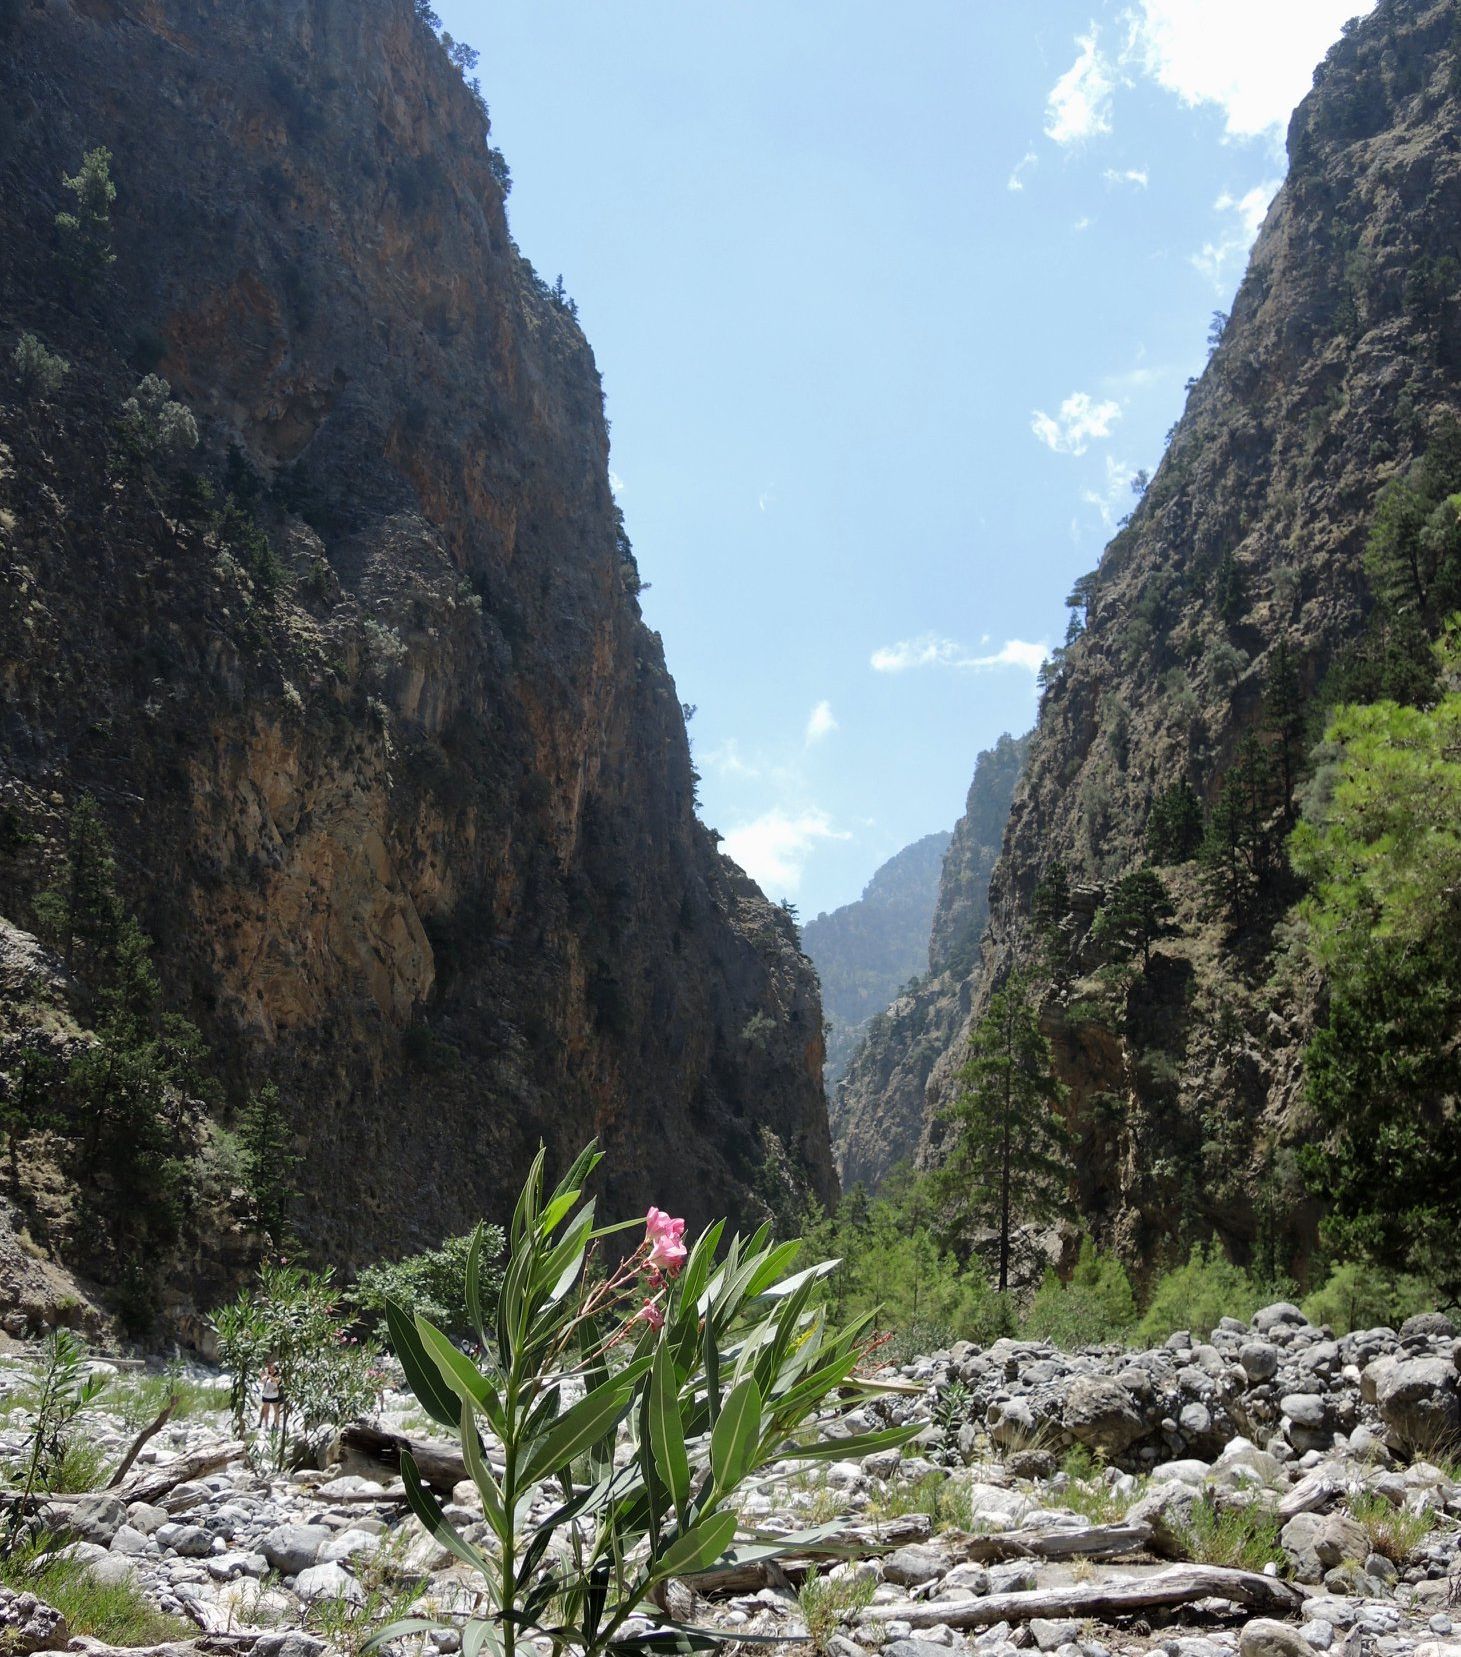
{"points": [[397, 776], [877, 1107], [866, 951], [1342, 353]]}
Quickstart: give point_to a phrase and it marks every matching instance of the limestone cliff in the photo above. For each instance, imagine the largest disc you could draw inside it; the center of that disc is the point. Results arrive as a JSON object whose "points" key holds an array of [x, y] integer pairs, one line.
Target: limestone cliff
{"points": [[865, 952], [877, 1107], [1342, 354], [398, 779]]}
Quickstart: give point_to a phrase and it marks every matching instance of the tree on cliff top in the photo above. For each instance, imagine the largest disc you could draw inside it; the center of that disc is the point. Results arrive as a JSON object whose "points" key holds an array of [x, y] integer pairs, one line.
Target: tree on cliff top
{"points": [[1010, 1158]]}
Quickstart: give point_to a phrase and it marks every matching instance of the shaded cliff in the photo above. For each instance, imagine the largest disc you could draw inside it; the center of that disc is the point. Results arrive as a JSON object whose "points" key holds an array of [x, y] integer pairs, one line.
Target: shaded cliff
{"points": [[866, 951], [877, 1107], [1336, 370], [398, 780]]}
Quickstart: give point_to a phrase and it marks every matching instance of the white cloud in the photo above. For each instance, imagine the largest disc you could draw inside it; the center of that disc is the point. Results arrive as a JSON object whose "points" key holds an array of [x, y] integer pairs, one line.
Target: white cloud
{"points": [[1027, 163], [820, 722], [932, 651], [1116, 500], [767, 498], [726, 758], [1221, 261], [1081, 422], [1079, 105], [1082, 223], [1251, 58], [1137, 177], [774, 847], [616, 483]]}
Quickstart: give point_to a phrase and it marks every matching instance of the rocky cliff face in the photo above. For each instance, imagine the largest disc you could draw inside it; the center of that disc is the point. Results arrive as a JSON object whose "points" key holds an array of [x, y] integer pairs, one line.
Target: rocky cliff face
{"points": [[866, 951], [403, 794], [877, 1108], [1342, 352]]}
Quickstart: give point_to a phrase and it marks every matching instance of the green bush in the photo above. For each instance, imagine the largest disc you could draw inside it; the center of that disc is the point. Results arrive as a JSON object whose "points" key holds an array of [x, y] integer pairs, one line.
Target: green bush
{"points": [[432, 1284], [1196, 1295], [1246, 1538], [117, 1613], [1096, 1306], [39, 373], [1361, 1296]]}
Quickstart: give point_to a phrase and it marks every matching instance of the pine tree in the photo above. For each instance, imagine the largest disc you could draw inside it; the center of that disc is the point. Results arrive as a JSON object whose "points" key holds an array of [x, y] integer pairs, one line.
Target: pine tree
{"points": [[83, 915], [1049, 908], [270, 1160], [1137, 912], [1230, 590], [1010, 1155], [1174, 825], [85, 235], [1283, 718]]}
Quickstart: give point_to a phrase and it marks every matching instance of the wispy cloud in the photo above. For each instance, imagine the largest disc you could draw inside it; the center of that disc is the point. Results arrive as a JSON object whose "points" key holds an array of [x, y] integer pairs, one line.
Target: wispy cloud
{"points": [[1137, 177], [1204, 52], [767, 498], [727, 759], [1081, 422], [1116, 500], [774, 847], [820, 723], [616, 483], [932, 651], [1027, 163], [1221, 260], [1079, 105]]}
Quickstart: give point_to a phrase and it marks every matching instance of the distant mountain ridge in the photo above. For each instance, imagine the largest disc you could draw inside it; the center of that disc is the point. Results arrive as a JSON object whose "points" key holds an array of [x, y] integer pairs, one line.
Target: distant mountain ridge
{"points": [[866, 951]]}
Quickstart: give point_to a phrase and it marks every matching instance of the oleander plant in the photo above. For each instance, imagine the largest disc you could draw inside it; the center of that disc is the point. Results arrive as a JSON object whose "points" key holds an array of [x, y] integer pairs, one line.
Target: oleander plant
{"points": [[643, 1394]]}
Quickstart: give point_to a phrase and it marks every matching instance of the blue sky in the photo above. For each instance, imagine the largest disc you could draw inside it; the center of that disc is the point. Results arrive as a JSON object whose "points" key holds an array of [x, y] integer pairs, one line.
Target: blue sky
{"points": [[890, 302]]}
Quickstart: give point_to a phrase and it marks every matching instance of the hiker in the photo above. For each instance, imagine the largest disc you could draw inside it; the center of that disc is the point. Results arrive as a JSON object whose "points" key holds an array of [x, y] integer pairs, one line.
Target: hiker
{"points": [[271, 1396]]}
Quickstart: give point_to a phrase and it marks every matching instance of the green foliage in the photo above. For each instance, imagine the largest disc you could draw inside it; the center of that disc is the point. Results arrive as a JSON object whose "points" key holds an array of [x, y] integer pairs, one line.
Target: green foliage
{"points": [[1246, 1538], [241, 536], [1230, 590], [1358, 1295], [432, 1284], [1009, 1160], [117, 1613], [1174, 825], [83, 916], [1050, 910], [946, 1501], [64, 1390], [1196, 1295], [292, 1316], [1285, 714], [84, 235], [1096, 1306], [153, 425], [39, 373], [828, 1602], [269, 1160], [719, 1367], [1237, 846], [1394, 1532], [1136, 913], [1381, 849]]}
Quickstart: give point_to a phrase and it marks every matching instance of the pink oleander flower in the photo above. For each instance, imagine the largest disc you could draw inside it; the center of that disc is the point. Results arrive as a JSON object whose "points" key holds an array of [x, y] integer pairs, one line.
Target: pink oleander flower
{"points": [[665, 1236], [651, 1314]]}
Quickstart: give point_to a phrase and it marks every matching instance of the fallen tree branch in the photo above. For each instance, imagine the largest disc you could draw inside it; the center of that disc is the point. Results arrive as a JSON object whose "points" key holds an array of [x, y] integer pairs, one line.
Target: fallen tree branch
{"points": [[125, 1465], [856, 1541], [1317, 1490], [1180, 1585], [1091, 1542], [368, 1450], [157, 1481]]}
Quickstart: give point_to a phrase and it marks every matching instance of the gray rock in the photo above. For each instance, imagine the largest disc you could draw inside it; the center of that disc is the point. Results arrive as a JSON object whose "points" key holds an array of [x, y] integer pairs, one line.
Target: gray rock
{"points": [[28, 1624], [914, 1565], [1306, 1408], [95, 1518], [129, 1541], [1264, 1637], [1417, 1399], [187, 1541], [146, 1518], [1049, 1634], [914, 1648], [330, 1581], [1100, 1414], [113, 1568], [1168, 1509], [1259, 1360], [1317, 1542], [1430, 1325], [293, 1644], [291, 1549], [1280, 1315]]}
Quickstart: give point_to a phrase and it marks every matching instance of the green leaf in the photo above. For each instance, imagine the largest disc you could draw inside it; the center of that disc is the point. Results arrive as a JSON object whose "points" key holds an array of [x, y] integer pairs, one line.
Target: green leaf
{"points": [[712, 1373], [576, 1429], [402, 1626], [478, 1633], [666, 1432], [697, 1547], [428, 1510], [737, 1434], [474, 1286], [525, 1214], [422, 1374], [763, 1279], [456, 1369], [482, 1475], [836, 1449]]}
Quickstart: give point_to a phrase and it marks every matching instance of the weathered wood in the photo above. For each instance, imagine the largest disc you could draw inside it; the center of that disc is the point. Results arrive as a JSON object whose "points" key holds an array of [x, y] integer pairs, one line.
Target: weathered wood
{"points": [[124, 1466], [153, 1483], [1317, 1490], [1180, 1585], [1091, 1542], [854, 1542], [365, 1448], [205, 1643]]}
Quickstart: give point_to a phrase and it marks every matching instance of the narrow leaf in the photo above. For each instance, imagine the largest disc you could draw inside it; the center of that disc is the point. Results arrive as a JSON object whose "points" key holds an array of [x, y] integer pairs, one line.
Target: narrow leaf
{"points": [[697, 1547], [666, 1430], [736, 1436], [422, 1374]]}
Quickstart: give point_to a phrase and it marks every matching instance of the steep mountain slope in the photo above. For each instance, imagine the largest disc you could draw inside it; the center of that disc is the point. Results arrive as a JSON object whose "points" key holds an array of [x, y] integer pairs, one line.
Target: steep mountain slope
{"points": [[1339, 363], [866, 951], [397, 777], [877, 1107]]}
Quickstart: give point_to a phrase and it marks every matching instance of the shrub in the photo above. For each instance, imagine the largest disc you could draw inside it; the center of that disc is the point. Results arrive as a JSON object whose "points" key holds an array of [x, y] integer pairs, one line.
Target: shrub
{"points": [[153, 424], [1096, 1306], [717, 1367], [1197, 1294], [117, 1613], [39, 373], [1360, 1296], [432, 1284], [85, 235], [1394, 1532], [1244, 1537]]}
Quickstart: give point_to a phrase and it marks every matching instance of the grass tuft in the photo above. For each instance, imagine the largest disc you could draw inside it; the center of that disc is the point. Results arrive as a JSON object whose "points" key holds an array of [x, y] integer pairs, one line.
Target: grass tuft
{"points": [[828, 1602], [117, 1613], [1395, 1532], [1245, 1537]]}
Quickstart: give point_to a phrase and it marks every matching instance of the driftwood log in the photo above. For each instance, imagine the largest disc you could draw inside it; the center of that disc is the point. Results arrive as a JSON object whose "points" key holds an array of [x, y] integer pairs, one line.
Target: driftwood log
{"points": [[124, 1466], [152, 1484], [372, 1452], [1179, 1585], [1090, 1542]]}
